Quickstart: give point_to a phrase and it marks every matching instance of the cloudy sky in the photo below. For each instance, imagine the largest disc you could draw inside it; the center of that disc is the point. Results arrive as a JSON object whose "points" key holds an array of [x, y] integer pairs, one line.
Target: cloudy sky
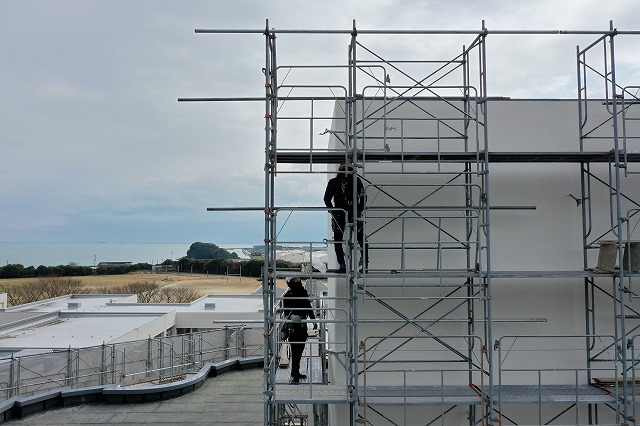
{"points": [[95, 146]]}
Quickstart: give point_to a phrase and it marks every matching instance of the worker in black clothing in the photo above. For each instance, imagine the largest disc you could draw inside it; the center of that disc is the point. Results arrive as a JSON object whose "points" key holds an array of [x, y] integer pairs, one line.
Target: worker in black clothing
{"points": [[297, 307], [339, 194]]}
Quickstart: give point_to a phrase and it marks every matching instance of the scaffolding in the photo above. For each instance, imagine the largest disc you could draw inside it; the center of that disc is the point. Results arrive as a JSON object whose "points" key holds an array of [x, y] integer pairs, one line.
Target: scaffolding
{"points": [[421, 146]]}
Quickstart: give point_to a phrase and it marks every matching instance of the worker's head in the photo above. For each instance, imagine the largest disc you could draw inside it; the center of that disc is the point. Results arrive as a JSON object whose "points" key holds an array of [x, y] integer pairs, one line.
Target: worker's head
{"points": [[345, 169], [294, 282]]}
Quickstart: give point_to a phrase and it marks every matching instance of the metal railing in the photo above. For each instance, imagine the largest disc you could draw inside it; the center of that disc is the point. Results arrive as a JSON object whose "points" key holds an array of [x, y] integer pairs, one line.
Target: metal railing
{"points": [[153, 360]]}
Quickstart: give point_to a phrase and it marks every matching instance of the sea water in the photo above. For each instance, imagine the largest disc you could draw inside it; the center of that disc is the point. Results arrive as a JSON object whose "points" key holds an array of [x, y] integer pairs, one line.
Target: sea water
{"points": [[90, 254]]}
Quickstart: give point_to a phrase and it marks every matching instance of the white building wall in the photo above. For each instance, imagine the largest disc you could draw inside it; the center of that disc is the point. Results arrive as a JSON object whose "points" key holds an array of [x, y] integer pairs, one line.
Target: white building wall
{"points": [[151, 329], [547, 238]]}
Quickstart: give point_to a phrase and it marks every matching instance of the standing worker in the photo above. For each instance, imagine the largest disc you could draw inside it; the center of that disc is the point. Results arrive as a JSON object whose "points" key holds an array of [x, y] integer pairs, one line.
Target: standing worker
{"points": [[296, 307], [339, 195]]}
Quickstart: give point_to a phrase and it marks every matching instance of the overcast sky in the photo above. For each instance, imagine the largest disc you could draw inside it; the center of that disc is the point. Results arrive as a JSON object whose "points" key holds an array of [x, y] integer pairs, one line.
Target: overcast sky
{"points": [[95, 146]]}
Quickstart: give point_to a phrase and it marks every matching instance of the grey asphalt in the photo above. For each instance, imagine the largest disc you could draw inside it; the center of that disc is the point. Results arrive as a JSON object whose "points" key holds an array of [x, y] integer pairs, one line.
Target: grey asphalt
{"points": [[233, 398]]}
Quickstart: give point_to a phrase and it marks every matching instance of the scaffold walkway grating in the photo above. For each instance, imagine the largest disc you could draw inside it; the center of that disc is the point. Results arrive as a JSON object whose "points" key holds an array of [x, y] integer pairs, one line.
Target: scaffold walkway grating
{"points": [[562, 394], [449, 395], [312, 388], [306, 393], [420, 395]]}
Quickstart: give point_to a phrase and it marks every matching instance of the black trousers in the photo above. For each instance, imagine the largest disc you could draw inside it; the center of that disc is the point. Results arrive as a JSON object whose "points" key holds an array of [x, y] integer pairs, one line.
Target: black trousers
{"points": [[297, 348], [339, 226]]}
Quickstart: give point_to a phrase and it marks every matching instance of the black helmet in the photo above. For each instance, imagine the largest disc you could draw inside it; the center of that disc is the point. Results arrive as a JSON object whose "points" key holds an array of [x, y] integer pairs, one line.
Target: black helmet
{"points": [[345, 168], [294, 281]]}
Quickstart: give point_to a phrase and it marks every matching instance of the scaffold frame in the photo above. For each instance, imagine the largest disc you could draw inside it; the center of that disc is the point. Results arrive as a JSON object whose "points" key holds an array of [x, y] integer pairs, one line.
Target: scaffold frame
{"points": [[452, 150]]}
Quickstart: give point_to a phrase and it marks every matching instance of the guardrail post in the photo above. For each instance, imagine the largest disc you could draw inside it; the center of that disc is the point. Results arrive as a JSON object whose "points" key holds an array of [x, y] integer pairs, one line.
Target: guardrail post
{"points": [[103, 363], [227, 342], [77, 367], [171, 358], [18, 376], [149, 356], [12, 377], [68, 379], [192, 349], [161, 357], [200, 355], [184, 353], [243, 349], [113, 364], [123, 375]]}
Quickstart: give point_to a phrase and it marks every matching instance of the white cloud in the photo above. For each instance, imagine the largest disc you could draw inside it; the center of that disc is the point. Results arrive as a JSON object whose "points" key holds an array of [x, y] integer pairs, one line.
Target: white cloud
{"points": [[95, 145]]}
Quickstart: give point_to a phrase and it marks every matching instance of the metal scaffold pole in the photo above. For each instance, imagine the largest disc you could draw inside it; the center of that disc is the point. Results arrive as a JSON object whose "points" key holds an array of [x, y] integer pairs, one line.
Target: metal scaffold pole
{"points": [[485, 200], [268, 282], [619, 215], [352, 265]]}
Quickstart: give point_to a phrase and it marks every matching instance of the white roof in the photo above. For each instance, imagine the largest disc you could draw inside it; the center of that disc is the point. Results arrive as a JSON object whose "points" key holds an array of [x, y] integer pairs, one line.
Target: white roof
{"points": [[89, 320], [125, 304], [77, 331]]}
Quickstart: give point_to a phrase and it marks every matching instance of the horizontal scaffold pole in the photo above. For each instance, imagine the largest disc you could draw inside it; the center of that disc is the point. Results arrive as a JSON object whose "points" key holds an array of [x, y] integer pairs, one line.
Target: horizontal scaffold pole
{"points": [[240, 209], [254, 99], [417, 32], [388, 99]]}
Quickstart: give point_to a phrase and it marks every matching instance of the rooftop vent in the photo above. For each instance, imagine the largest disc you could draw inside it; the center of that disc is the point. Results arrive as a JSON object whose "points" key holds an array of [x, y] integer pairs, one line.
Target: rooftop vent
{"points": [[74, 305], [209, 306]]}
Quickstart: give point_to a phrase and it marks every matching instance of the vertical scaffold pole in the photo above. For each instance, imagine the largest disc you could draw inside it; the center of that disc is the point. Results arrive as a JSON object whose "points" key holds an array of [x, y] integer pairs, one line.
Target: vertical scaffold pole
{"points": [[268, 383], [352, 266], [469, 223], [585, 197], [487, 222], [622, 338]]}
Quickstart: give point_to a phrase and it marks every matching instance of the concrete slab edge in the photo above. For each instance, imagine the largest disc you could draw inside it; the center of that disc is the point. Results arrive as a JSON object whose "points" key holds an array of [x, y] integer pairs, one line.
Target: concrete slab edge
{"points": [[18, 407]]}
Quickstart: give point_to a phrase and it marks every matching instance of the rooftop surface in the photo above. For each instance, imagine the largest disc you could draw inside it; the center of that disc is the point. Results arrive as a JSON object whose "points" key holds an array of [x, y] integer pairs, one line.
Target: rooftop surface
{"points": [[117, 304], [233, 398], [79, 321], [78, 332]]}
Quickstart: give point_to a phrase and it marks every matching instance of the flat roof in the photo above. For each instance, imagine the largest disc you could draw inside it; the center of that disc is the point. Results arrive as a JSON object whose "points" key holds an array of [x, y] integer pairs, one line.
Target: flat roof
{"points": [[75, 331], [119, 304], [89, 320], [12, 317], [87, 303]]}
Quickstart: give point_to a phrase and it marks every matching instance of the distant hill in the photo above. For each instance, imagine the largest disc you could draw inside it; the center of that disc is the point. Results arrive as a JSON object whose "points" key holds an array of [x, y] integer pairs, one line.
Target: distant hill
{"points": [[209, 251]]}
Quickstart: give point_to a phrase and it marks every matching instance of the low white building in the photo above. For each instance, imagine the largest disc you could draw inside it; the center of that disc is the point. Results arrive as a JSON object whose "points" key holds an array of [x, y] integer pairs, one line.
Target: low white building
{"points": [[79, 321]]}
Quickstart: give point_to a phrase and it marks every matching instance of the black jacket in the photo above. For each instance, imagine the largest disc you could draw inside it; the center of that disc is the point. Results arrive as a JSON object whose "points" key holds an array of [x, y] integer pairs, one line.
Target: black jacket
{"points": [[294, 304], [339, 194], [291, 305]]}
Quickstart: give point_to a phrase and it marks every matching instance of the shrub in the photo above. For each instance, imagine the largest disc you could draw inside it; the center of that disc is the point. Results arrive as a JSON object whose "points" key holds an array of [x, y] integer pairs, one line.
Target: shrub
{"points": [[59, 286], [177, 294], [43, 288], [145, 290]]}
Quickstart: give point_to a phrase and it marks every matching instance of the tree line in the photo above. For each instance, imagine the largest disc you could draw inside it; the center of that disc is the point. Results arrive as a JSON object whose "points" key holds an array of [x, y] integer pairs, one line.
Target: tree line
{"points": [[16, 270], [248, 268]]}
